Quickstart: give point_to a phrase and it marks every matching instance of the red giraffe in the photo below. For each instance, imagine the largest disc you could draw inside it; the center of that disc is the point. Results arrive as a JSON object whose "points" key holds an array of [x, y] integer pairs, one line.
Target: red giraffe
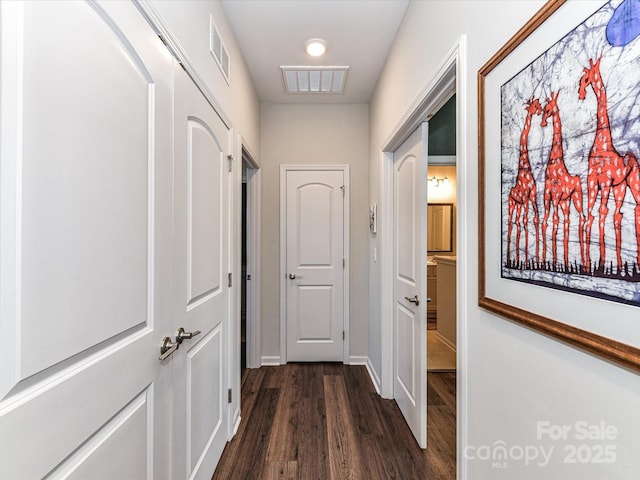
{"points": [[608, 171], [523, 192], [560, 188]]}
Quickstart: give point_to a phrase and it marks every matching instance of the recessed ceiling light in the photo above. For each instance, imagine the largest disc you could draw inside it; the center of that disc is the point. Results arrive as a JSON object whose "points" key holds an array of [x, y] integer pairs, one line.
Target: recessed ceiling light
{"points": [[315, 47]]}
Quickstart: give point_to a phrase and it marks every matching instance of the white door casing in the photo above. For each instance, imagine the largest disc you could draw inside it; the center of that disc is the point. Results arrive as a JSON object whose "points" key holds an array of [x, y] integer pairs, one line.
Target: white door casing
{"points": [[85, 241], [201, 292], [410, 295], [254, 238], [313, 216]]}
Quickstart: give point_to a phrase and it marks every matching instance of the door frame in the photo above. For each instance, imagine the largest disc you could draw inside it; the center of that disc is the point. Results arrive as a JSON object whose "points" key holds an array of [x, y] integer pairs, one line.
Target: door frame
{"points": [[450, 77], [283, 254], [254, 218]]}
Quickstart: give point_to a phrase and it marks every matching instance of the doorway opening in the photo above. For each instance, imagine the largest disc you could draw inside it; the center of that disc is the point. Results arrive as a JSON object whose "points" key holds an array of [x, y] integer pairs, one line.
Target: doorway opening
{"points": [[450, 78], [249, 337], [441, 239], [245, 277]]}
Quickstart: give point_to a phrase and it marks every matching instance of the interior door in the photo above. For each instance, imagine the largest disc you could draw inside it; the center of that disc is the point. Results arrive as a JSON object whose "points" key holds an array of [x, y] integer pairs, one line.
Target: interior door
{"points": [[201, 291], [410, 295], [85, 241], [315, 265]]}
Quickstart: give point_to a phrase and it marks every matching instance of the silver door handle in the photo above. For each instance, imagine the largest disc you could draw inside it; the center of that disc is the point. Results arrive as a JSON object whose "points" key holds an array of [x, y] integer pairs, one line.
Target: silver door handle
{"points": [[428, 299], [293, 276], [413, 300], [167, 347], [182, 335]]}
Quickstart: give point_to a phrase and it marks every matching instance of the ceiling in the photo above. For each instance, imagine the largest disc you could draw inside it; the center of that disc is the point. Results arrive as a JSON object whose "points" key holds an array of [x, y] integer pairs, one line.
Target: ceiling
{"points": [[272, 33]]}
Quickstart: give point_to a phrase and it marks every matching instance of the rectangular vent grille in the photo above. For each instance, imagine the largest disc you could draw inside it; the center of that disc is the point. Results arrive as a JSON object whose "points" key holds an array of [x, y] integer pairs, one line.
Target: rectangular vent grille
{"points": [[314, 80], [217, 49]]}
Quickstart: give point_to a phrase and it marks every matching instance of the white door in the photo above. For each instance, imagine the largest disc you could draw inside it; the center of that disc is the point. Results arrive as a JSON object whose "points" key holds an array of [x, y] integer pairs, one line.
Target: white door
{"points": [[315, 259], [85, 242], [410, 295], [201, 291]]}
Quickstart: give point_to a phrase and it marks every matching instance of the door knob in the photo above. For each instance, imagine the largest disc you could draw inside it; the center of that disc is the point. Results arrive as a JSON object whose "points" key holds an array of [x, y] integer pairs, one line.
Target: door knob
{"points": [[182, 335], [413, 300], [292, 276], [167, 347]]}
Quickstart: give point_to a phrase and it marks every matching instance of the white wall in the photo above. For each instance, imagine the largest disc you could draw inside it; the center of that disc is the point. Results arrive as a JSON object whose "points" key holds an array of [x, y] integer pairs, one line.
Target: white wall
{"points": [[189, 22], [514, 377], [314, 134]]}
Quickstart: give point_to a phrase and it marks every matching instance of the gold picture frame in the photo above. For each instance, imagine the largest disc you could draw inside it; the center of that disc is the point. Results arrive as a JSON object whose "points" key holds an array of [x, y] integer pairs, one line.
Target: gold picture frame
{"points": [[515, 305]]}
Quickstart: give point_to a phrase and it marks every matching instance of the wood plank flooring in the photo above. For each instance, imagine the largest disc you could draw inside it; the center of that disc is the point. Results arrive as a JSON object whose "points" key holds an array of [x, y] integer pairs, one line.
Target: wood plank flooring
{"points": [[325, 421]]}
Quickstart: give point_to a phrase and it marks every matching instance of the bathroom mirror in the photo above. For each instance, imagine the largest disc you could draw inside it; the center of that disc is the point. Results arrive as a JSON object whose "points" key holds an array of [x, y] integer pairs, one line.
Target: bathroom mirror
{"points": [[439, 227]]}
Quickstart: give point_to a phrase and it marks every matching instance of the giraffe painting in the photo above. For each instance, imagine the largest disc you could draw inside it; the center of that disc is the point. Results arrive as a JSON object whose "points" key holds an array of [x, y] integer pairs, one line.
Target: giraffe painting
{"points": [[523, 193], [560, 189], [608, 172], [569, 181]]}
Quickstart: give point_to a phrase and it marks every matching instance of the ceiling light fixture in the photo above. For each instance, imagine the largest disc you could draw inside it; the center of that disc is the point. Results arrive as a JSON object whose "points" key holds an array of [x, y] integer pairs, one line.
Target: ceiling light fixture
{"points": [[315, 47]]}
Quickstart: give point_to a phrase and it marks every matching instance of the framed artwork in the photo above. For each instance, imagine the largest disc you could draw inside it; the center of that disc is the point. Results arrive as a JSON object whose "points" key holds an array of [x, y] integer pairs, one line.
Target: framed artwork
{"points": [[559, 177]]}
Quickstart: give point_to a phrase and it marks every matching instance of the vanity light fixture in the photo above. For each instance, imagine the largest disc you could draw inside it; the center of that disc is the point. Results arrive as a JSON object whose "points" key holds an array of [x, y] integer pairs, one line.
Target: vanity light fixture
{"points": [[315, 47], [435, 181]]}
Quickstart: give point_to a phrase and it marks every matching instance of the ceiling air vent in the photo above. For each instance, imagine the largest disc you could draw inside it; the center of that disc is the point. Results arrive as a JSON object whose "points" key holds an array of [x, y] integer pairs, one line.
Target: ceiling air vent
{"points": [[217, 49], [322, 80]]}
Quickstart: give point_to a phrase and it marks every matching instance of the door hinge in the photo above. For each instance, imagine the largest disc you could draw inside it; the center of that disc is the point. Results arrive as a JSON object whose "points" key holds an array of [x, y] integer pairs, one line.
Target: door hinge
{"points": [[344, 263], [343, 335], [230, 281], [343, 189], [230, 160], [230, 395]]}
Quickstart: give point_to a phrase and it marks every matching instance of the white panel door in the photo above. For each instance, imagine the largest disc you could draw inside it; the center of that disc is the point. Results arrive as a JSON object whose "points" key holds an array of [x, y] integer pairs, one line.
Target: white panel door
{"points": [[410, 295], [201, 292], [85, 242], [315, 270]]}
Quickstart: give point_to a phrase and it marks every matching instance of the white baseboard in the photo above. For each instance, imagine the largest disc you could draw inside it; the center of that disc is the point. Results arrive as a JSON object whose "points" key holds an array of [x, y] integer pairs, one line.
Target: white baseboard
{"points": [[446, 341], [236, 425], [375, 379], [270, 361], [358, 360]]}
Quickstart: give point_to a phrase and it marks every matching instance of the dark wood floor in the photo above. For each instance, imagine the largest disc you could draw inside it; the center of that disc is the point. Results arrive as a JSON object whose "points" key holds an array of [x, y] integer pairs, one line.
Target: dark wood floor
{"points": [[325, 421]]}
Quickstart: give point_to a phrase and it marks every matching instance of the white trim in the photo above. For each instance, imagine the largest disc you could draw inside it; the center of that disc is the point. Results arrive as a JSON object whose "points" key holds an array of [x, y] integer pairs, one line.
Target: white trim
{"points": [[358, 360], [283, 257], [385, 218], [375, 379], [466, 204], [446, 342], [161, 28], [233, 315], [452, 72], [236, 426], [271, 361]]}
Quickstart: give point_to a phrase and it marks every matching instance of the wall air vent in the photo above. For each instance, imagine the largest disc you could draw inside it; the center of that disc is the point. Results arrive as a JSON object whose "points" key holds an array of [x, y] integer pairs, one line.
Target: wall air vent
{"points": [[218, 50], [314, 80]]}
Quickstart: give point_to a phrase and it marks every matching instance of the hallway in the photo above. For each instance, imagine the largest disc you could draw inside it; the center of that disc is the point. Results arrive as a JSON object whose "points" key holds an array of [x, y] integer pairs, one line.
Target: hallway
{"points": [[325, 420]]}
